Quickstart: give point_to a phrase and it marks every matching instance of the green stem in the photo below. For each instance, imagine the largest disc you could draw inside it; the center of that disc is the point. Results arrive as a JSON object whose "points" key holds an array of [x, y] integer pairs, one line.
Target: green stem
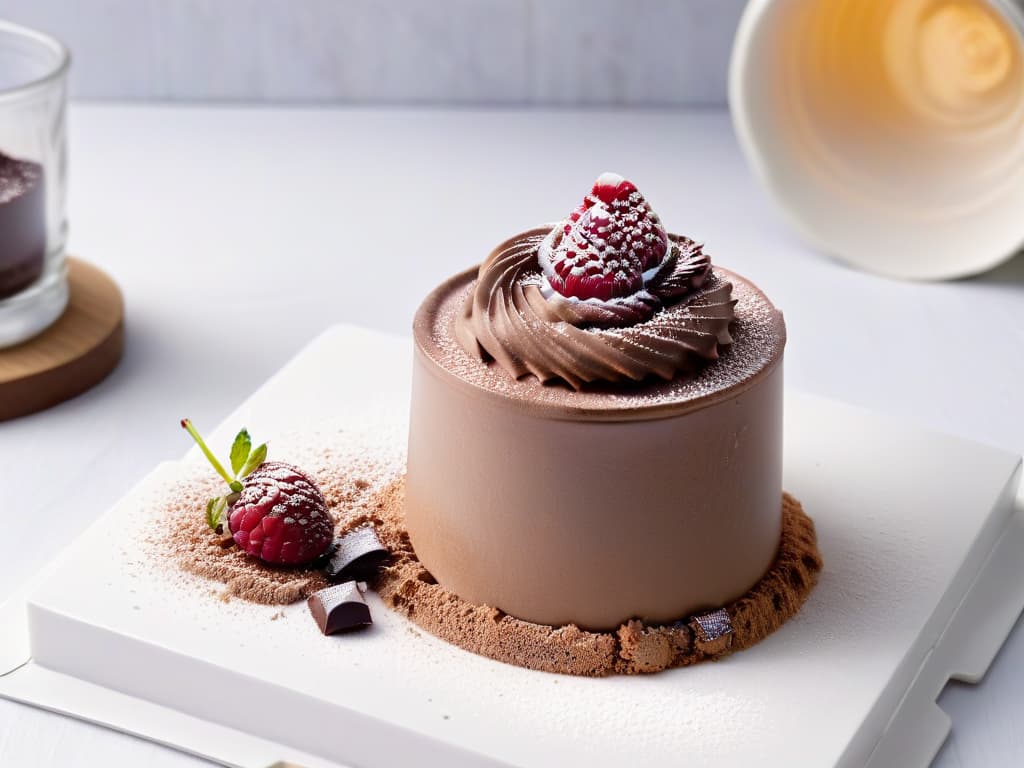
{"points": [[187, 426]]}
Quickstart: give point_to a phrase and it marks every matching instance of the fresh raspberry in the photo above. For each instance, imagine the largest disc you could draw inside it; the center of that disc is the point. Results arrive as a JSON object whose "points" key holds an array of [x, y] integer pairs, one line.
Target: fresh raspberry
{"points": [[274, 511], [606, 245], [281, 516]]}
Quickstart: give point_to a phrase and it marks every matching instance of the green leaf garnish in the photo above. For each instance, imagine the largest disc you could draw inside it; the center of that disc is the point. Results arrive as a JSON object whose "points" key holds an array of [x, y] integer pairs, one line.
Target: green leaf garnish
{"points": [[244, 459], [240, 450], [215, 509], [256, 458]]}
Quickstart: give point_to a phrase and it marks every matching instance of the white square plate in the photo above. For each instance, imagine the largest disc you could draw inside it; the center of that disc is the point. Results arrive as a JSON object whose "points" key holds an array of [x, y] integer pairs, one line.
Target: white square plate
{"points": [[918, 533]]}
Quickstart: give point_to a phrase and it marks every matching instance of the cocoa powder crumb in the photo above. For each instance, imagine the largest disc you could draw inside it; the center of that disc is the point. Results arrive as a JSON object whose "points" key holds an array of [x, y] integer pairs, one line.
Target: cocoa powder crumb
{"points": [[408, 588], [200, 551]]}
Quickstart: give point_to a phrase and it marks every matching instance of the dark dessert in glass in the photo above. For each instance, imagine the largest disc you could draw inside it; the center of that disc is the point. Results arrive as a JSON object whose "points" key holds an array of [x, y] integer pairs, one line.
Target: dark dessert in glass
{"points": [[34, 288], [22, 224]]}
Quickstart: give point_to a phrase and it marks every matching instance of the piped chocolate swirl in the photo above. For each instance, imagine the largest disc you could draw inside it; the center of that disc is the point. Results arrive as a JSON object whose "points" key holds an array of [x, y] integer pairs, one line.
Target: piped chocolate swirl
{"points": [[605, 296]]}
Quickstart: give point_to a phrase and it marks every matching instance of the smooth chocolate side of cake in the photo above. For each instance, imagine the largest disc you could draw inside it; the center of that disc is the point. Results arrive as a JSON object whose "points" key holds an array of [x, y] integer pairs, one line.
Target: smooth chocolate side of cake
{"points": [[591, 508]]}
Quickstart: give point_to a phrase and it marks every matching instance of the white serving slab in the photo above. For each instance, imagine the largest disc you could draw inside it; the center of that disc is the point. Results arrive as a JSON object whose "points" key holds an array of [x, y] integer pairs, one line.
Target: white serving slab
{"points": [[921, 535]]}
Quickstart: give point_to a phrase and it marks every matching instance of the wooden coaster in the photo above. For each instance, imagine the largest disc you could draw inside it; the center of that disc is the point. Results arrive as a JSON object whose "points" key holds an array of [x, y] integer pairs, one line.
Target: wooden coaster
{"points": [[75, 353]]}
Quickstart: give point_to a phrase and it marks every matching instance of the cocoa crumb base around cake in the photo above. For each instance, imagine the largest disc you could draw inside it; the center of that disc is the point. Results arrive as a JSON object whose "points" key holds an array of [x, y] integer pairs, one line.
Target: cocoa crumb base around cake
{"points": [[635, 648], [408, 588]]}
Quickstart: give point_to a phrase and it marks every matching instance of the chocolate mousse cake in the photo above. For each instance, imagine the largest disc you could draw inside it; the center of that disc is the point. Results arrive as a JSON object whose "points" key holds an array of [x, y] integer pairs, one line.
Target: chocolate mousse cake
{"points": [[22, 224], [596, 424], [592, 481]]}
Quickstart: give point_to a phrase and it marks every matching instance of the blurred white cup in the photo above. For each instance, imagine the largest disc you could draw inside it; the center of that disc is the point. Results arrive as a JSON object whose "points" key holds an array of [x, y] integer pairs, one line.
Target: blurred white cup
{"points": [[891, 132]]}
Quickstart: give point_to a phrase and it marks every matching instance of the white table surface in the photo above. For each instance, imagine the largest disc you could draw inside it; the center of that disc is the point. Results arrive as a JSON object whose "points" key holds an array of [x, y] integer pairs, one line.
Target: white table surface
{"points": [[239, 234]]}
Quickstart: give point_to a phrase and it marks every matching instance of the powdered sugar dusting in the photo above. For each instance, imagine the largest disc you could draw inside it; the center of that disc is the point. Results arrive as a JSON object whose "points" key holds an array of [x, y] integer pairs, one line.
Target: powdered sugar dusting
{"points": [[17, 177], [758, 334]]}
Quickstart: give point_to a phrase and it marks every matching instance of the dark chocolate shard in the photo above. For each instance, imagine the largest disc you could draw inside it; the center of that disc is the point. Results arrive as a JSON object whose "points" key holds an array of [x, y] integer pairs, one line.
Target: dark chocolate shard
{"points": [[713, 625], [339, 608], [356, 556]]}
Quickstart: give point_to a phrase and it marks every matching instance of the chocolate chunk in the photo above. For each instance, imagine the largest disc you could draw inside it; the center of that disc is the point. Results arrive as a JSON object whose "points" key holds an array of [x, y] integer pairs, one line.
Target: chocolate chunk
{"points": [[339, 608], [713, 624], [713, 633], [357, 555]]}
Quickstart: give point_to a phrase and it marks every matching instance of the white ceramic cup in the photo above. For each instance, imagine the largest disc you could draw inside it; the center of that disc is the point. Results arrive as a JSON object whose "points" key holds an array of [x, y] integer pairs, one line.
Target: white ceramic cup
{"points": [[891, 132]]}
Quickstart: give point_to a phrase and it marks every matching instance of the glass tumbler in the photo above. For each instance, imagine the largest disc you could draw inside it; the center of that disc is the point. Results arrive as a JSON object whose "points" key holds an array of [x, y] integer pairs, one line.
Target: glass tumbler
{"points": [[33, 173]]}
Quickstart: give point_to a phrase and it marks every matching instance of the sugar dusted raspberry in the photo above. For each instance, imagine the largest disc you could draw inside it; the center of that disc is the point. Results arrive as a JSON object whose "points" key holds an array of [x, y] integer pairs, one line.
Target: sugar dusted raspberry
{"points": [[281, 516], [606, 245], [274, 511]]}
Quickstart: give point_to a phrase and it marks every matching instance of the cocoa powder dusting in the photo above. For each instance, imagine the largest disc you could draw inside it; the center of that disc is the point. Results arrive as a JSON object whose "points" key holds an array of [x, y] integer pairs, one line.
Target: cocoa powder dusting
{"points": [[198, 550], [357, 497]]}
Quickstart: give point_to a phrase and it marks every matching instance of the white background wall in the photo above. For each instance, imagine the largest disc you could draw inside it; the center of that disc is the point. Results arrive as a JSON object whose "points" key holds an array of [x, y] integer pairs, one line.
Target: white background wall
{"points": [[599, 52]]}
